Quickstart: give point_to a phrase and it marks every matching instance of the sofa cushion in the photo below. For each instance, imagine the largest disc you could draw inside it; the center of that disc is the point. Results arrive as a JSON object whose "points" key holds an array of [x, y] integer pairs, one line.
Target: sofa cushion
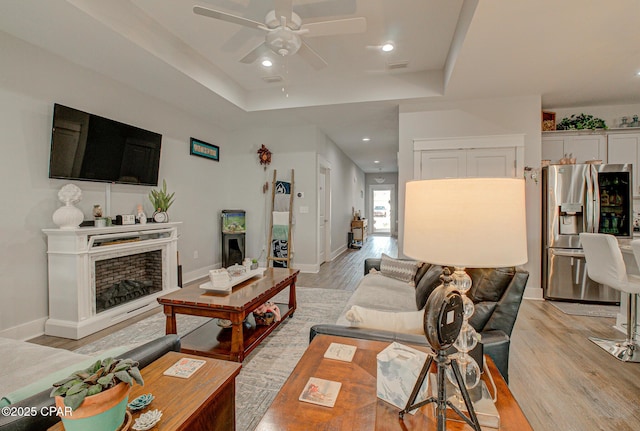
{"points": [[428, 282], [408, 322], [382, 293], [489, 284], [403, 270]]}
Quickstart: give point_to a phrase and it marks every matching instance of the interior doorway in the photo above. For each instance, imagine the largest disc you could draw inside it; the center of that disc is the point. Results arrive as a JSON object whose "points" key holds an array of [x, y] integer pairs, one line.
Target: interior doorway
{"points": [[382, 198]]}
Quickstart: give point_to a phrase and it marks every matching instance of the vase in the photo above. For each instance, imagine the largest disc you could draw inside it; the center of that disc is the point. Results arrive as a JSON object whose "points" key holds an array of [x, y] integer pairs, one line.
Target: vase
{"points": [[68, 217], [100, 412]]}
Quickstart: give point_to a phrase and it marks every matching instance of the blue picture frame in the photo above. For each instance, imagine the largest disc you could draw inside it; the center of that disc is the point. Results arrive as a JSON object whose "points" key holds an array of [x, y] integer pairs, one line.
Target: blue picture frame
{"points": [[203, 149]]}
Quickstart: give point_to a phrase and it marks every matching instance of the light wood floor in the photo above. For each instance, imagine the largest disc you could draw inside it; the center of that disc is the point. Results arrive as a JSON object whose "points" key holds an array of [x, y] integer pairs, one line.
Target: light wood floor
{"points": [[562, 381]]}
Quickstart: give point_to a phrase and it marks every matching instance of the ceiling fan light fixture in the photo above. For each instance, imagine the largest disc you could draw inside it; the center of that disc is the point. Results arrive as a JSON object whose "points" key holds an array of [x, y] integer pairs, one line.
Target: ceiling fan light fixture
{"points": [[388, 47], [283, 41]]}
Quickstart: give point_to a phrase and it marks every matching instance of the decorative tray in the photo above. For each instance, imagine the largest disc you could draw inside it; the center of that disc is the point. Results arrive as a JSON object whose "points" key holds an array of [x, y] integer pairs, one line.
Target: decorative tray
{"points": [[226, 288]]}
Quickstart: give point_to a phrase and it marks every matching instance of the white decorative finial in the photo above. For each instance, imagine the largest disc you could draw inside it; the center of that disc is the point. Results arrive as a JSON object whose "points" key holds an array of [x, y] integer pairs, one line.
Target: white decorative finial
{"points": [[68, 217]]}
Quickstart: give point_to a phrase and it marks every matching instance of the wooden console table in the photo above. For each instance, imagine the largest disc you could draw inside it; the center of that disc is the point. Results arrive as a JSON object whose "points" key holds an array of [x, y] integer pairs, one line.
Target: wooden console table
{"points": [[357, 406], [203, 402], [237, 342], [359, 229]]}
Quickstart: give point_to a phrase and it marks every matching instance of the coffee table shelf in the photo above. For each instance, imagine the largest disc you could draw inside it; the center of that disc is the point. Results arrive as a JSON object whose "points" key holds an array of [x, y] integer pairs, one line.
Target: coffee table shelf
{"points": [[216, 341]]}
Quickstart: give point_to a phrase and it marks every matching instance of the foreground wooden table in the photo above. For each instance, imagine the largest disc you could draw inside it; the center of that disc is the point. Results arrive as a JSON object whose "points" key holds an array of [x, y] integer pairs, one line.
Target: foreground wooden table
{"points": [[236, 343], [357, 406], [203, 402]]}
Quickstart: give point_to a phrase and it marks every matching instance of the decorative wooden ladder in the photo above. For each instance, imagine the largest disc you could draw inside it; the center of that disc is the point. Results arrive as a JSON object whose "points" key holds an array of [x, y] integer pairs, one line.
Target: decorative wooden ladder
{"points": [[272, 258]]}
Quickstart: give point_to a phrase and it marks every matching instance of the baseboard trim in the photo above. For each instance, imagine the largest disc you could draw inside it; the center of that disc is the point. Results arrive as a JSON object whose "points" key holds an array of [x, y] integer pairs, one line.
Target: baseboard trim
{"points": [[25, 331]]}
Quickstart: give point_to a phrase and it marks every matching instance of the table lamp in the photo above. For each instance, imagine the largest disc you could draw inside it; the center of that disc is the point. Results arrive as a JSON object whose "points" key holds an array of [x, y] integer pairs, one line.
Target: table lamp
{"points": [[461, 223]]}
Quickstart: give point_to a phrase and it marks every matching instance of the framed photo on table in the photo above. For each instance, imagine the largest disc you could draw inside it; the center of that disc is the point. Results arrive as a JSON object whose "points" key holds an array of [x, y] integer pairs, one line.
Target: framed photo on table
{"points": [[204, 149]]}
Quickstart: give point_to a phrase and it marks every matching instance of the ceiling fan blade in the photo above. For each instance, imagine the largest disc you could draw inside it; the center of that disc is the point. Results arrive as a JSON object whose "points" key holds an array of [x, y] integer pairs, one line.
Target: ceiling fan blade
{"points": [[283, 8], [340, 26], [211, 13], [261, 50], [311, 57]]}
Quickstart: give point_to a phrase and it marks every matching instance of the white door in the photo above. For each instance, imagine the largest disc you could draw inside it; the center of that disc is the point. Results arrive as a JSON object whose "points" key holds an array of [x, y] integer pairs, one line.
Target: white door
{"points": [[322, 215]]}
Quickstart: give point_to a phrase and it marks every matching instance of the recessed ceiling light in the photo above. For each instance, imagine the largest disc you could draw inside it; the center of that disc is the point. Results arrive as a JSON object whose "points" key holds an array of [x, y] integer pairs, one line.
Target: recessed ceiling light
{"points": [[267, 63], [376, 161], [638, 73], [366, 139], [387, 47]]}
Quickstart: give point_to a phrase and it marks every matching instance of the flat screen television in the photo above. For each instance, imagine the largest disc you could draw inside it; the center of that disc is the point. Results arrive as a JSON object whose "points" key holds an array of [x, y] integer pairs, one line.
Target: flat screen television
{"points": [[88, 147]]}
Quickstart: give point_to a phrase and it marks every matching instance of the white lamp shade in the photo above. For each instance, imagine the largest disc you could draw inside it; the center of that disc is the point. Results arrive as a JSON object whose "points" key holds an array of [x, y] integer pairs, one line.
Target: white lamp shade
{"points": [[466, 222]]}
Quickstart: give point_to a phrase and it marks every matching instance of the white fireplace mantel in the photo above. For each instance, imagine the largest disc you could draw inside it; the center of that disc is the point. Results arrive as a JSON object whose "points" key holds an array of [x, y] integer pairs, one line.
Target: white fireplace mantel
{"points": [[72, 255]]}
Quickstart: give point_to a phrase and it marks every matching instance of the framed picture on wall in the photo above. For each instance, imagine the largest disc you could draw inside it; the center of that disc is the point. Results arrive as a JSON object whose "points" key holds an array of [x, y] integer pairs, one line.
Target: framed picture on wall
{"points": [[204, 149]]}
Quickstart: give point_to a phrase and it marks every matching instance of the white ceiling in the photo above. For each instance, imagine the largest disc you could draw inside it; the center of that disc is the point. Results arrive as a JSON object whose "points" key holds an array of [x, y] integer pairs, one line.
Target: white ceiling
{"points": [[572, 53]]}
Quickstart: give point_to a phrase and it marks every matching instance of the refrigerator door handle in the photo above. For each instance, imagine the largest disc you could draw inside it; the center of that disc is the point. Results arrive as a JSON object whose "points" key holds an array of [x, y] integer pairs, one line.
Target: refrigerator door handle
{"points": [[590, 201]]}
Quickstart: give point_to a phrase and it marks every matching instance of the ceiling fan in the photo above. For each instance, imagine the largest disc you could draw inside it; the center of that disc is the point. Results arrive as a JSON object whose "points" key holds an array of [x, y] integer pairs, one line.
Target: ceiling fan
{"points": [[285, 30]]}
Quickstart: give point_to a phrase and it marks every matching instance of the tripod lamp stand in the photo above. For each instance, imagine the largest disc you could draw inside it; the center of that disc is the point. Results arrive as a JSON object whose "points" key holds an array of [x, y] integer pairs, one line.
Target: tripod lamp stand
{"points": [[460, 222]]}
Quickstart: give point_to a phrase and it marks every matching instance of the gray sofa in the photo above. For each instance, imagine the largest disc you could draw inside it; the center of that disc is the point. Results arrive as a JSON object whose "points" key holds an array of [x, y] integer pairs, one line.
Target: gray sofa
{"points": [[144, 354], [496, 293]]}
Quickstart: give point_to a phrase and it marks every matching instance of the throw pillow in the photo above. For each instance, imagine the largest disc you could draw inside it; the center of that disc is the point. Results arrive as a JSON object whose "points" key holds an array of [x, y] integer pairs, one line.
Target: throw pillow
{"points": [[403, 270], [408, 322]]}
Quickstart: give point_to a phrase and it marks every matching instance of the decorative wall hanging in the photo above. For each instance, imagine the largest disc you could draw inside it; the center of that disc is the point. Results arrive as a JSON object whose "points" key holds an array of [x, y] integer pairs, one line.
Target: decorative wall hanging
{"points": [[264, 155], [203, 149]]}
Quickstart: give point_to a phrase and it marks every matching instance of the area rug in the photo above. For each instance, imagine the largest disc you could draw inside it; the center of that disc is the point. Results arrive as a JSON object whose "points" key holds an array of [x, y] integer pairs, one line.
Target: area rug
{"points": [[593, 310], [266, 369]]}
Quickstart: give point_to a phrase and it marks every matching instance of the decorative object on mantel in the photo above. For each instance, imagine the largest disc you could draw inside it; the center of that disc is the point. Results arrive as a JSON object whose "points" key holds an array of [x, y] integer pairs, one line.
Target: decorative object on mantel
{"points": [[581, 122], [635, 122], [141, 217], [161, 202], [68, 217]]}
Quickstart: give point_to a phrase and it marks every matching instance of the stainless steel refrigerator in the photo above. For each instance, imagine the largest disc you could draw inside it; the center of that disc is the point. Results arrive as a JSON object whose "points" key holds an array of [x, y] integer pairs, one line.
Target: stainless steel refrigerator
{"points": [[575, 199]]}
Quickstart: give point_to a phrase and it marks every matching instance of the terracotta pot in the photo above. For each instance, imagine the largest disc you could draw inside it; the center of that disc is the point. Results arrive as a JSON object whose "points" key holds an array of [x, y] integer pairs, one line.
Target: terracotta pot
{"points": [[101, 412]]}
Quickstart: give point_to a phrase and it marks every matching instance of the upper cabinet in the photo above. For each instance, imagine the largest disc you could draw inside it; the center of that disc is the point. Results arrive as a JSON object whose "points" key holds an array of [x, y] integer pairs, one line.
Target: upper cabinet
{"points": [[481, 156], [625, 148], [582, 147]]}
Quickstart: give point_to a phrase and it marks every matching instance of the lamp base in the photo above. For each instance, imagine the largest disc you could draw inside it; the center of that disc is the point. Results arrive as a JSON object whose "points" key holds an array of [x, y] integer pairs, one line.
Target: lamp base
{"points": [[441, 401]]}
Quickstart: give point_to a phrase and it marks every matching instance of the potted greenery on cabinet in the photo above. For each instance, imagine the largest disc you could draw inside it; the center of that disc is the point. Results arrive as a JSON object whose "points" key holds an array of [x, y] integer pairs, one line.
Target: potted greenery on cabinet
{"points": [[96, 398]]}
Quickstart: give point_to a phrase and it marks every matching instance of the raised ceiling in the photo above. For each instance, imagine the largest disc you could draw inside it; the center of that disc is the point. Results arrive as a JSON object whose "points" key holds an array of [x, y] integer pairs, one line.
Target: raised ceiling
{"points": [[569, 52]]}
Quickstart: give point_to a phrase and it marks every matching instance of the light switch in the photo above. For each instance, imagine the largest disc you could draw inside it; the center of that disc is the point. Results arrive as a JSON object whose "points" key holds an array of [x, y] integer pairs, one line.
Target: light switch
{"points": [[304, 210]]}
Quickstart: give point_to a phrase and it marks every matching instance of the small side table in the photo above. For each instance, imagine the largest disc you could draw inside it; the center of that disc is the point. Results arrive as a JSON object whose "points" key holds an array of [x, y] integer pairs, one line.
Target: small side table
{"points": [[203, 402], [359, 229]]}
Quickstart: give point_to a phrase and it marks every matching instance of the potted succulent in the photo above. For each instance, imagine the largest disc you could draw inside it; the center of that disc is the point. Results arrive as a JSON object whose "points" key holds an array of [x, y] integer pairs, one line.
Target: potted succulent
{"points": [[96, 398], [161, 201]]}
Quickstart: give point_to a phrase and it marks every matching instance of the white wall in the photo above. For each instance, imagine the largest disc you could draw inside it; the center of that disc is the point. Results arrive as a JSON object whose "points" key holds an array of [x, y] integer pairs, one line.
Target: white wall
{"points": [[32, 80], [478, 118], [347, 191]]}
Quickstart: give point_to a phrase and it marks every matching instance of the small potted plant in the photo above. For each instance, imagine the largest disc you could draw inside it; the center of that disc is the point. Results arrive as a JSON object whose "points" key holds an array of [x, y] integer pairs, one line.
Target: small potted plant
{"points": [[96, 398], [254, 264], [161, 201]]}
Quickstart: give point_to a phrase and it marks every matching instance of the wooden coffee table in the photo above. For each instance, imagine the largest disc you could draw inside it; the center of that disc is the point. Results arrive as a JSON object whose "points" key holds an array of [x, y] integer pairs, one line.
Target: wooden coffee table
{"points": [[203, 402], [237, 342], [357, 406]]}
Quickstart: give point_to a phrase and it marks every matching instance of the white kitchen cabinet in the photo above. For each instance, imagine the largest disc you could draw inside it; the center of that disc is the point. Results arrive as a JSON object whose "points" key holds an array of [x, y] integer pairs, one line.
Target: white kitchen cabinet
{"points": [[469, 156], [582, 146], [625, 148], [473, 162], [443, 164]]}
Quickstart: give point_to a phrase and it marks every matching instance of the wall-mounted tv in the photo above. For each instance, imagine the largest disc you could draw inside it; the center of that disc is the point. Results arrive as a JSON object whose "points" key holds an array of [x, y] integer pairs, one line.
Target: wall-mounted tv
{"points": [[88, 147]]}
